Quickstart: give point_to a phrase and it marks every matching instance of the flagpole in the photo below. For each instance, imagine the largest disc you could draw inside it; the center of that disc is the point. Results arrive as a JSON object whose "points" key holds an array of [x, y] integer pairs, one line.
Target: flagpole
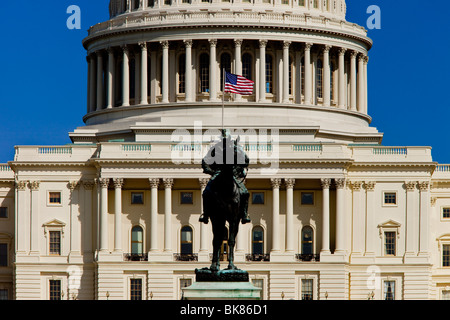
{"points": [[223, 99]]}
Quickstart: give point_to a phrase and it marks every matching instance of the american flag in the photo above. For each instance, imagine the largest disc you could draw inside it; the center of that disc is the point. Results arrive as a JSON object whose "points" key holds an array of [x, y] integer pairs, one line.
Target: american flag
{"points": [[238, 84]]}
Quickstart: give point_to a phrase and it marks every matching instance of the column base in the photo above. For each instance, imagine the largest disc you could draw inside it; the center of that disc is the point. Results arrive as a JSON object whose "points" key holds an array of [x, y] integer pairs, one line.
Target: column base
{"points": [[75, 257], [156, 256], [106, 256], [279, 256], [239, 257], [336, 257], [203, 256]]}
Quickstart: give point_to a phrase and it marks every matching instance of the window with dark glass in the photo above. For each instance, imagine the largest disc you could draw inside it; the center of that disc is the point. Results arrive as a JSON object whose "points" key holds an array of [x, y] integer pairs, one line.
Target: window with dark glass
{"points": [[225, 63], [3, 212], [258, 240], [137, 240], [135, 289], [390, 198], [55, 197], [389, 240], [204, 73], [3, 255], [389, 290], [257, 197], [187, 197], [307, 240], [445, 213], [137, 198], [247, 66], [4, 294], [446, 255], [269, 74], [319, 79], [55, 243], [307, 289], [55, 289], [132, 63], [307, 198], [186, 240], [302, 75], [182, 74]]}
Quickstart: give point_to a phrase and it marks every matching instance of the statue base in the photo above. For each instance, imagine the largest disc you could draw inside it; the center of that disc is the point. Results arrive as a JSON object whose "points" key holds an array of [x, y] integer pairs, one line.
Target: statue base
{"points": [[221, 285]]}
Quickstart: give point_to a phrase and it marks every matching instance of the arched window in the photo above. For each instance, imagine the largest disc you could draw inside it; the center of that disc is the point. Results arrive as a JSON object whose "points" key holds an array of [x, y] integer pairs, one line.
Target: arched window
{"points": [[269, 74], [247, 64], [258, 240], [204, 73], [137, 240], [319, 79], [186, 240], [225, 63], [307, 240], [182, 73], [132, 78]]}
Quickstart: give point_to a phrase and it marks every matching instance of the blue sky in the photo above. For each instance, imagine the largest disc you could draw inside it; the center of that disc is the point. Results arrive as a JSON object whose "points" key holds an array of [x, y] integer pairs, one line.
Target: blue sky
{"points": [[43, 74]]}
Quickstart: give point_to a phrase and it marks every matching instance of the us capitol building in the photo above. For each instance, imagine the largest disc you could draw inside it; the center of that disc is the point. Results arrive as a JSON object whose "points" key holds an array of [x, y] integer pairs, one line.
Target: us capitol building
{"points": [[115, 213]]}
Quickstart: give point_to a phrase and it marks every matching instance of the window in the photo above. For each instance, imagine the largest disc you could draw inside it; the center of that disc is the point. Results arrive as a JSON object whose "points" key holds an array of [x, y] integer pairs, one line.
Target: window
{"points": [[445, 295], [446, 255], [316, 4], [55, 243], [307, 289], [182, 74], [319, 79], [259, 283], [54, 197], [204, 73], [291, 71], [186, 240], [445, 213], [225, 63], [3, 255], [269, 74], [135, 289], [302, 76], [332, 70], [137, 243], [307, 198], [389, 290], [258, 240], [389, 243], [187, 198], [137, 198], [55, 289], [307, 240], [257, 197], [3, 294], [167, 2], [151, 3], [390, 198], [3, 212], [184, 283], [135, 4], [301, 3], [247, 64]]}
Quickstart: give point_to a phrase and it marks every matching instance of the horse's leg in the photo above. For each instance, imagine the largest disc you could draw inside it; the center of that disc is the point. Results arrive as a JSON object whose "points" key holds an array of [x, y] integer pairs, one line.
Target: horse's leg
{"points": [[234, 229], [218, 230]]}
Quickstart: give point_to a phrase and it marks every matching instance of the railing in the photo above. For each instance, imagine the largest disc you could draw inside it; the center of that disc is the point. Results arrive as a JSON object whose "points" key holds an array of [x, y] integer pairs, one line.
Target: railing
{"points": [[307, 257], [443, 168], [5, 168], [132, 147], [186, 147], [257, 147], [390, 151], [55, 150], [307, 147], [185, 257], [257, 257], [135, 257]]}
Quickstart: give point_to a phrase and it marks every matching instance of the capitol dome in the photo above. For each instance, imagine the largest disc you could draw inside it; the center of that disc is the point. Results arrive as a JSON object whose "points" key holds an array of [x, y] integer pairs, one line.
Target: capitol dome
{"points": [[158, 65]]}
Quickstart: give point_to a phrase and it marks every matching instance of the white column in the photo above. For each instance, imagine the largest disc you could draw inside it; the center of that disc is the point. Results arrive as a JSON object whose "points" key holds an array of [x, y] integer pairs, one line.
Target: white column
{"points": [[111, 64], [144, 73], [342, 84], [325, 215], [366, 87], [104, 183], [308, 74], [88, 214], [276, 214], [340, 215], [411, 219], [118, 185], [75, 223], [289, 215], [326, 77], [203, 228], [168, 184], [125, 78], [212, 70], [262, 70], [165, 71], [188, 72], [238, 62], [361, 85], [34, 217], [286, 66], [355, 90], [99, 80], [154, 183], [358, 218], [22, 209], [91, 84], [371, 228], [424, 218]]}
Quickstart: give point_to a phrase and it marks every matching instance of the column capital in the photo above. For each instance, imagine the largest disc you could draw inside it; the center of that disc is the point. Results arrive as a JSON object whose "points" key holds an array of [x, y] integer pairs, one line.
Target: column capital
{"points": [[410, 186], [203, 182], [423, 185], [118, 183], [366, 59], [275, 183], [164, 44], [212, 42], [168, 183], [110, 50], [103, 182], [354, 54], [308, 46], [88, 184], [21, 185], [188, 43], [327, 48], [263, 43], [286, 44], [289, 182], [73, 185], [238, 42], [154, 182], [340, 183], [34, 185], [342, 51], [125, 48], [356, 185], [326, 183], [143, 45], [370, 185]]}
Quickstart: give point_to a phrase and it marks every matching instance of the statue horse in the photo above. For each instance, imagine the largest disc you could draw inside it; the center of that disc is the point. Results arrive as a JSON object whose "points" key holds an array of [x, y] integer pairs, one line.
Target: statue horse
{"points": [[221, 202]]}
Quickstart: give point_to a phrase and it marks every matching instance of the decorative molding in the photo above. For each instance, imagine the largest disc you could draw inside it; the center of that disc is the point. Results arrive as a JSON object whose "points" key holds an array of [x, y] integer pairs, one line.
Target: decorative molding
{"points": [[308, 46], [72, 185], [188, 43], [118, 183], [164, 44], [370, 185], [34, 185], [203, 182], [21, 185], [212, 42], [276, 183], [238, 42], [103, 182], [424, 186], [410, 186], [263, 43], [326, 183], [340, 183], [356, 185], [290, 183], [88, 184], [154, 182], [168, 183]]}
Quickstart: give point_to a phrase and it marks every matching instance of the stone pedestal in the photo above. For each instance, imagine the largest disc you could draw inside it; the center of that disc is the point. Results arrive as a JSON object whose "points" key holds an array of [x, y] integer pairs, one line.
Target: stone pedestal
{"points": [[221, 285]]}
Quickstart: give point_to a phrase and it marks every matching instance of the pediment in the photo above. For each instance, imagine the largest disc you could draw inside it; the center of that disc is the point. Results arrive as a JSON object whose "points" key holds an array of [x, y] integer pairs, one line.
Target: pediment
{"points": [[390, 224], [54, 223]]}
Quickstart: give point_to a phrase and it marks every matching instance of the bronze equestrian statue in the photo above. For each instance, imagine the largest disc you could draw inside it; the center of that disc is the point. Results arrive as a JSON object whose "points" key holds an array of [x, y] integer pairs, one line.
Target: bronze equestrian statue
{"points": [[225, 197]]}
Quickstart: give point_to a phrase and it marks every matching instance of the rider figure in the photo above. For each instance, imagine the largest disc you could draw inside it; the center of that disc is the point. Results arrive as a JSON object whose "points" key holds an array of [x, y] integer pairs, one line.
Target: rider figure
{"points": [[239, 172]]}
